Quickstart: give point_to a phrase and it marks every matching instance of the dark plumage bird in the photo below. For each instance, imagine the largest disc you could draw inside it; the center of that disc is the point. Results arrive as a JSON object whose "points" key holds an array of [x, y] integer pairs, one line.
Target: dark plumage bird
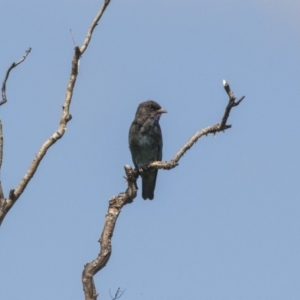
{"points": [[145, 143]]}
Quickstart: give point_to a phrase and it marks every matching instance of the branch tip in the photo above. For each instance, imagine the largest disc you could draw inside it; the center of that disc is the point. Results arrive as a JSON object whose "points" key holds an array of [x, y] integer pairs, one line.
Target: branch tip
{"points": [[13, 65], [239, 101], [226, 87]]}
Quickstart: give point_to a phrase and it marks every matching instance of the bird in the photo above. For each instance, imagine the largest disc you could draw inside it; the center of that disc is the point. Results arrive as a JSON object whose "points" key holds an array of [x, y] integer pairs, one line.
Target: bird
{"points": [[145, 143]]}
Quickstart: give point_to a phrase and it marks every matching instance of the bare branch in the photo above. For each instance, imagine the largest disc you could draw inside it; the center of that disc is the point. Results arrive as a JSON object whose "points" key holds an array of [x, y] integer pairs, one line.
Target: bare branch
{"points": [[92, 27], [210, 129], [232, 103], [13, 65], [7, 204], [116, 203], [16, 193], [167, 165], [115, 206], [73, 38], [117, 295]]}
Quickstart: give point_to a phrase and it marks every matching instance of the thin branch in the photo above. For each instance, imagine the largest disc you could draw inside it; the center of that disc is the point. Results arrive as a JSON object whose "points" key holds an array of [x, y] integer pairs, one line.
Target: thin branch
{"points": [[93, 25], [73, 38], [117, 295], [13, 65], [116, 203], [14, 194]]}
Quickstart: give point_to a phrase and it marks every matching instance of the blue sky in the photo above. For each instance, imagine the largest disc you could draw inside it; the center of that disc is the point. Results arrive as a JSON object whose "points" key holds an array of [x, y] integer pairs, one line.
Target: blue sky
{"points": [[225, 223]]}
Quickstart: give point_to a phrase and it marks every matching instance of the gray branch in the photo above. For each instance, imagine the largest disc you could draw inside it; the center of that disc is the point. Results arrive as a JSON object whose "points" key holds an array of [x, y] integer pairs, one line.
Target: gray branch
{"points": [[13, 65]]}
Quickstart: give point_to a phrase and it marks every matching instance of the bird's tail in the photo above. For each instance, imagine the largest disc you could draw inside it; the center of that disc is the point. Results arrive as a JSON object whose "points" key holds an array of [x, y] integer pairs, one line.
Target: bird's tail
{"points": [[148, 184]]}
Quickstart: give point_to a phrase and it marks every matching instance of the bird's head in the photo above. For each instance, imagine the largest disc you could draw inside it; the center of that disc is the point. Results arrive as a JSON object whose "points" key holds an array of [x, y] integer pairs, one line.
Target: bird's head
{"points": [[149, 110]]}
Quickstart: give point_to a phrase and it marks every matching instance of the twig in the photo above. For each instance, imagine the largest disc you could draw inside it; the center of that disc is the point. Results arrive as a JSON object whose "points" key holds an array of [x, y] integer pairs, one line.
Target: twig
{"points": [[116, 203], [73, 38], [14, 194], [13, 65], [117, 295]]}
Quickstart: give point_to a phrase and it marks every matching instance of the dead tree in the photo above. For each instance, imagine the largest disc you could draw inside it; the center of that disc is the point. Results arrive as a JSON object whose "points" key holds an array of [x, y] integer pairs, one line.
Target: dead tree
{"points": [[116, 203], [6, 203]]}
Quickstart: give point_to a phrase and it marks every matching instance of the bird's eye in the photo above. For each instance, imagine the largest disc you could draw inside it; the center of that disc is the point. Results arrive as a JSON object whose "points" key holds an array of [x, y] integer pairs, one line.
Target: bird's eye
{"points": [[150, 106]]}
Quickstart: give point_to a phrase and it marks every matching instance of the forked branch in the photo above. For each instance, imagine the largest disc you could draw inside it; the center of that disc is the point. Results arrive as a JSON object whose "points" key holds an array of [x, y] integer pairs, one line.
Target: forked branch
{"points": [[117, 203], [167, 165], [7, 203]]}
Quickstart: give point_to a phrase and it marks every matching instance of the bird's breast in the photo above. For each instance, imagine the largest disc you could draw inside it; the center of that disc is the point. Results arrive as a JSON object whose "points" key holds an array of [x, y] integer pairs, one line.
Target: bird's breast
{"points": [[144, 140]]}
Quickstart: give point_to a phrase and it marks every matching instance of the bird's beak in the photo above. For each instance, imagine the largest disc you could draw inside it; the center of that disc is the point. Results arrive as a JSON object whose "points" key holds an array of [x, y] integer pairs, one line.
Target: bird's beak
{"points": [[161, 111]]}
